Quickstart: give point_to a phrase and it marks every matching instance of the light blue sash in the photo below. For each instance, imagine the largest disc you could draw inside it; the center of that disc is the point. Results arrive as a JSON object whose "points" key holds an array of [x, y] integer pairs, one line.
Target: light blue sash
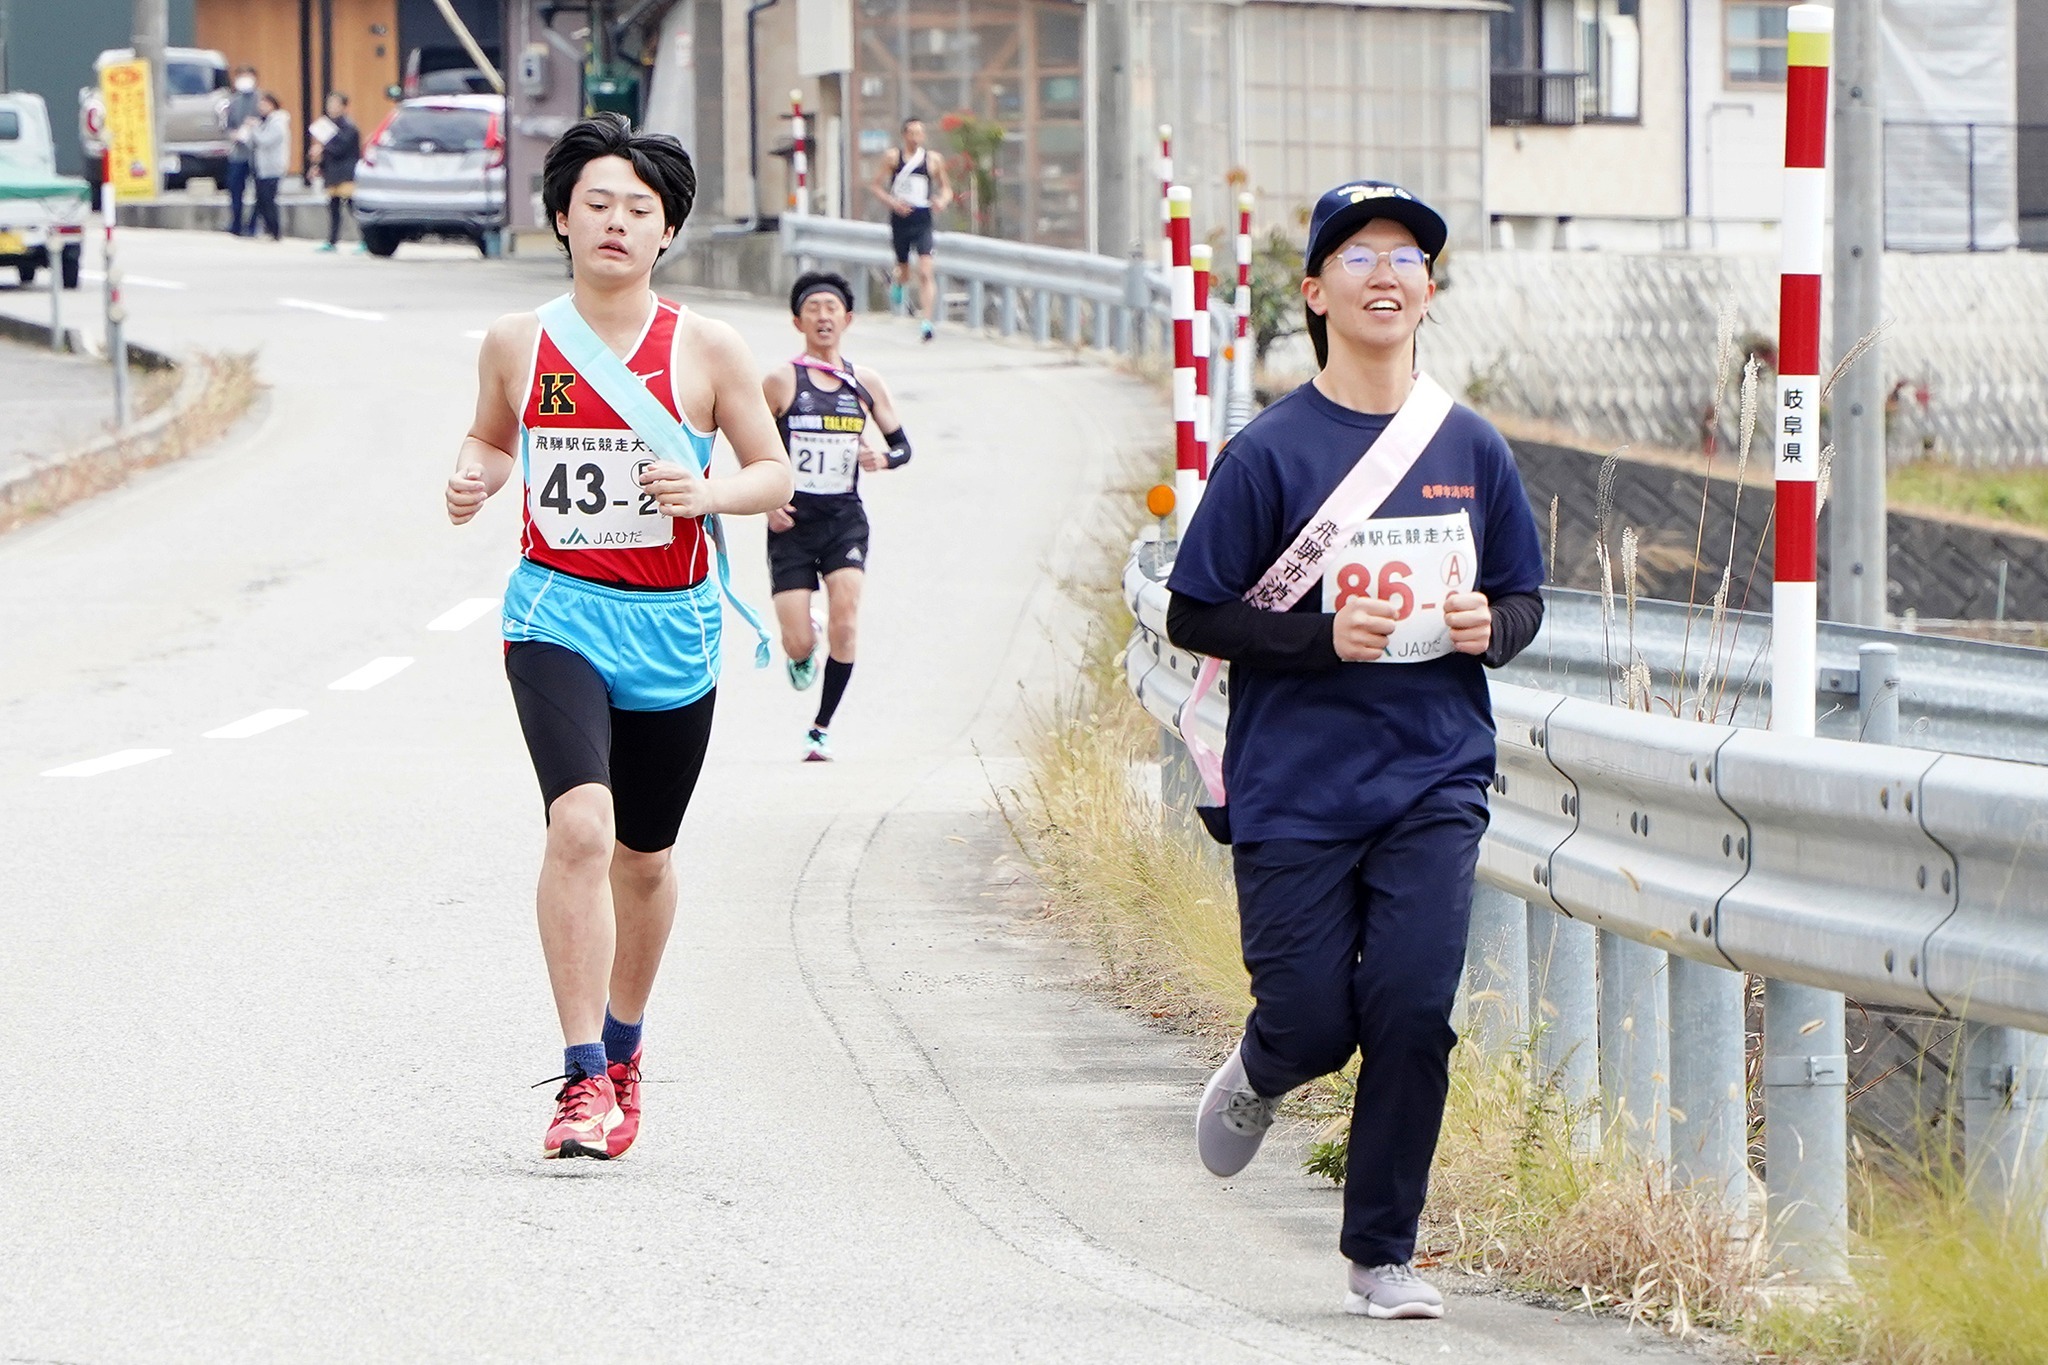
{"points": [[623, 392]]}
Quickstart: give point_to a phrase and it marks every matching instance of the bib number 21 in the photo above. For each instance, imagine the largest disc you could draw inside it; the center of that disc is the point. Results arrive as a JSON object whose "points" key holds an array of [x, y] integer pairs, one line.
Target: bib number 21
{"points": [[1355, 580]]}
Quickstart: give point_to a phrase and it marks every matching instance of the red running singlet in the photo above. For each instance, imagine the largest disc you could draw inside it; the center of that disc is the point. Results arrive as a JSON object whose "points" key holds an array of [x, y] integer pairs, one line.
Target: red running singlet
{"points": [[561, 404]]}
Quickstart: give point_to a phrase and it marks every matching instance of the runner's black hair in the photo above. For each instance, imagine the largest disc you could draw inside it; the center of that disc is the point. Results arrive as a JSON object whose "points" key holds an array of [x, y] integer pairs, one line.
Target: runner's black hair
{"points": [[657, 158], [813, 280]]}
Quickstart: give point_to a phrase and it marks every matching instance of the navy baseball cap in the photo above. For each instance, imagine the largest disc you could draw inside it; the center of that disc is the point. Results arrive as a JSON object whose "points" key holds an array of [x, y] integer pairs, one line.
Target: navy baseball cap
{"points": [[1350, 207]]}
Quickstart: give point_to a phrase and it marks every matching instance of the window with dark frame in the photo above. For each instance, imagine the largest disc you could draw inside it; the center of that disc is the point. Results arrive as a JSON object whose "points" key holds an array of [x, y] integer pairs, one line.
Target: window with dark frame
{"points": [[1755, 41]]}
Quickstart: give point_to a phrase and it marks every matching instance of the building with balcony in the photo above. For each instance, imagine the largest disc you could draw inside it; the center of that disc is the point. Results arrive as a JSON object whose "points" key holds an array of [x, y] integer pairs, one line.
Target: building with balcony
{"points": [[1659, 124]]}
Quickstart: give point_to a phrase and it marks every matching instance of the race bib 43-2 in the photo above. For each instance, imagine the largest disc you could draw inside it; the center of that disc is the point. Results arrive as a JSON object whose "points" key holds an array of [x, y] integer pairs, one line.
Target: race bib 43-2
{"points": [[1412, 562], [584, 491]]}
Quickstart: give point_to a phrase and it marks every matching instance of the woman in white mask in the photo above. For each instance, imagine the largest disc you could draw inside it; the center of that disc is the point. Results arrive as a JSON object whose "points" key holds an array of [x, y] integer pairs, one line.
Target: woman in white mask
{"points": [[242, 118]]}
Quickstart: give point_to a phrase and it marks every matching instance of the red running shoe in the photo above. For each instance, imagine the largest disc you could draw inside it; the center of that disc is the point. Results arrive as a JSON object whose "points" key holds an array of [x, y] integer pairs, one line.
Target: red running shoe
{"points": [[625, 1078], [586, 1115]]}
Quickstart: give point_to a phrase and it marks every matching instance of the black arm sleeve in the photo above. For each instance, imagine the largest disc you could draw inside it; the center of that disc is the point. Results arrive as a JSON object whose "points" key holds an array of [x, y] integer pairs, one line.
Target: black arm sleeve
{"points": [[1295, 641], [1516, 619], [899, 447]]}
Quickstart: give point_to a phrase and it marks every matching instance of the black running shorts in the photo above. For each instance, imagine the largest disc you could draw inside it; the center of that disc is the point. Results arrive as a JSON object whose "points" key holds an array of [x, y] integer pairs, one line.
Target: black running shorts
{"points": [[831, 533], [649, 760], [912, 234]]}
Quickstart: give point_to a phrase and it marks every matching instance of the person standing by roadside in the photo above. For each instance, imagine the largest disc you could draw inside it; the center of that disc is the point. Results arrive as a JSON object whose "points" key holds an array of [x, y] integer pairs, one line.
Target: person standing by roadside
{"points": [[273, 159], [913, 183], [242, 117], [1363, 553], [335, 158]]}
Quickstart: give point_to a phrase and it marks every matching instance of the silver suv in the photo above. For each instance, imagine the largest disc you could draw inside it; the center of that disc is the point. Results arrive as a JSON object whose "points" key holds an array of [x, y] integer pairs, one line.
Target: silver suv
{"points": [[195, 115], [434, 168]]}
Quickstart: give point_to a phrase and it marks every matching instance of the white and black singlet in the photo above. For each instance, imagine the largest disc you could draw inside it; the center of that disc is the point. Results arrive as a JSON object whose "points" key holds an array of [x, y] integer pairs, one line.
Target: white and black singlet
{"points": [[822, 430]]}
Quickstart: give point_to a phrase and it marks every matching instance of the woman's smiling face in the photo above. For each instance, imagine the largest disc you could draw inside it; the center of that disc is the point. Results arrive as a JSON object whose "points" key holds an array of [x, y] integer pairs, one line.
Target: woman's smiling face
{"points": [[1375, 289]]}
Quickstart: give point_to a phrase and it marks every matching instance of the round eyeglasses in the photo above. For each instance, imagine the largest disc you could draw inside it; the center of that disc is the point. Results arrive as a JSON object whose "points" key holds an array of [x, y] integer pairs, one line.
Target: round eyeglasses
{"points": [[1363, 260]]}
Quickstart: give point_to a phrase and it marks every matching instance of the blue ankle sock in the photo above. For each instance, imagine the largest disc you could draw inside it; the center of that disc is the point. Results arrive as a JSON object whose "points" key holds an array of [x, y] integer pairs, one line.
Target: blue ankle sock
{"points": [[621, 1041], [584, 1059]]}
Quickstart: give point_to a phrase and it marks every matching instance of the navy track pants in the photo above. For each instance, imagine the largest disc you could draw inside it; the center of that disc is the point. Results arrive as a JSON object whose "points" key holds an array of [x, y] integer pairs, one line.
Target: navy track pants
{"points": [[1358, 946]]}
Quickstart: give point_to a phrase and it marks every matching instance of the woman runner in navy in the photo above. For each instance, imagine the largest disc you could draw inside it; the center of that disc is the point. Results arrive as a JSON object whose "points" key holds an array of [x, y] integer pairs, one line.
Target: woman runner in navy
{"points": [[1360, 740], [612, 618]]}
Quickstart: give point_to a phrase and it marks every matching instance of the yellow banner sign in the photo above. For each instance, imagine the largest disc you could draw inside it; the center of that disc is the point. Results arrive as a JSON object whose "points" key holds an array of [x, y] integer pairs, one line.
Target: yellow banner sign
{"points": [[131, 145]]}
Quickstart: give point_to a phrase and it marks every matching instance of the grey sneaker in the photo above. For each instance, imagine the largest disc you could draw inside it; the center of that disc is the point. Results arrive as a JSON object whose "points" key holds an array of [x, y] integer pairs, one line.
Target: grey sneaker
{"points": [[1233, 1119], [1391, 1291]]}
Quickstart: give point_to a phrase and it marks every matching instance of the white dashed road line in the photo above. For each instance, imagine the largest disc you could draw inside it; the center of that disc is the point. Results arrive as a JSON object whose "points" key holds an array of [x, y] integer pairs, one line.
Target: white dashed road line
{"points": [[93, 767], [333, 310], [143, 281], [462, 614], [370, 674], [255, 725]]}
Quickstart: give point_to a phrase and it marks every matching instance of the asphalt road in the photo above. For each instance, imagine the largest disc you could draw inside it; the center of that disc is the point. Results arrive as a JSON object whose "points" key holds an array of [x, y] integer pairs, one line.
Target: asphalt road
{"points": [[273, 1002]]}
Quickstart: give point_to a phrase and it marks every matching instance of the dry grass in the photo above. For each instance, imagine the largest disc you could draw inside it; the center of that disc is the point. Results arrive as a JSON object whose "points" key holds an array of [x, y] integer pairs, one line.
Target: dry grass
{"points": [[1938, 1282], [1158, 907], [228, 386]]}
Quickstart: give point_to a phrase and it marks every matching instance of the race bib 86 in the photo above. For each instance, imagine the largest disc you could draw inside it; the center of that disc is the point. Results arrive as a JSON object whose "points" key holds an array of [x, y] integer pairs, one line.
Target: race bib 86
{"points": [[1412, 562]]}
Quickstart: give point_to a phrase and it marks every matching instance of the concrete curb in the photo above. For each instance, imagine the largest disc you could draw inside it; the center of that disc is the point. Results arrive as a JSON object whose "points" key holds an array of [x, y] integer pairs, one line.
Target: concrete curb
{"points": [[145, 358], [23, 488]]}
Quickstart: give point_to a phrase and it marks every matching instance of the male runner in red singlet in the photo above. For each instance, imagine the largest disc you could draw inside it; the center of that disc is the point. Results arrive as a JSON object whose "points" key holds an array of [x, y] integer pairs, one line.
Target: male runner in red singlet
{"points": [[612, 618], [822, 406]]}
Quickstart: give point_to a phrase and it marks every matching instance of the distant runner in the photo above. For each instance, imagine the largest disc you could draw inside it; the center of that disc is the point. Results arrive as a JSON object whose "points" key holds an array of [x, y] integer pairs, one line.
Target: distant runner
{"points": [[605, 401], [1362, 554], [913, 183], [824, 408]]}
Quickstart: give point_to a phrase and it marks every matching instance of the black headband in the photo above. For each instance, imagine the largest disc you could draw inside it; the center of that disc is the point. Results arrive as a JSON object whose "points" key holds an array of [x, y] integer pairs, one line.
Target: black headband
{"points": [[823, 286]]}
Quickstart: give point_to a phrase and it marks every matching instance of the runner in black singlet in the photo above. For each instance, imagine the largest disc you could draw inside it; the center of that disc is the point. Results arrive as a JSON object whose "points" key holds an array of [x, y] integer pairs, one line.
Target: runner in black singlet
{"points": [[912, 182], [824, 408]]}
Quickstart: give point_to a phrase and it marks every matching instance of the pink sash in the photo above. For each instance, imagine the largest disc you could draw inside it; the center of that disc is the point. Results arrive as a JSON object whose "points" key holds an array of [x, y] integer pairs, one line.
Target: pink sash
{"points": [[1370, 483]]}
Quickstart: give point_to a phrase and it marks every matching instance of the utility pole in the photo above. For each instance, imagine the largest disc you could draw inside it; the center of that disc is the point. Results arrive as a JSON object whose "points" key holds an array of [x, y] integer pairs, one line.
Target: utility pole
{"points": [[152, 35], [1857, 551]]}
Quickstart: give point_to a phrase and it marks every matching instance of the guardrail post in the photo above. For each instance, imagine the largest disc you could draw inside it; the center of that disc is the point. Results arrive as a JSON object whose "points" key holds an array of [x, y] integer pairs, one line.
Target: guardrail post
{"points": [[1563, 1009], [1180, 783], [1041, 317], [1877, 693], [977, 305], [2005, 1118], [1105, 326], [1496, 994], [1137, 301], [1635, 1033], [1709, 1102], [1806, 1079], [1006, 311], [1070, 322]]}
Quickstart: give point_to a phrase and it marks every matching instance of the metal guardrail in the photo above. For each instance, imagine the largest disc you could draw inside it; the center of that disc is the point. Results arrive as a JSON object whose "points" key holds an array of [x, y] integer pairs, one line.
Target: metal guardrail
{"points": [[1099, 300], [1958, 696], [1896, 875]]}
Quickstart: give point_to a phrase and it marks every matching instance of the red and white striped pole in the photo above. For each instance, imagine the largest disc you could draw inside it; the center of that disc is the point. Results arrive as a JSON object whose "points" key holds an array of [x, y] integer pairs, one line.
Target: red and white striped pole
{"points": [[1241, 356], [1166, 195], [1187, 454], [799, 158], [1201, 257], [1806, 1134], [1795, 605]]}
